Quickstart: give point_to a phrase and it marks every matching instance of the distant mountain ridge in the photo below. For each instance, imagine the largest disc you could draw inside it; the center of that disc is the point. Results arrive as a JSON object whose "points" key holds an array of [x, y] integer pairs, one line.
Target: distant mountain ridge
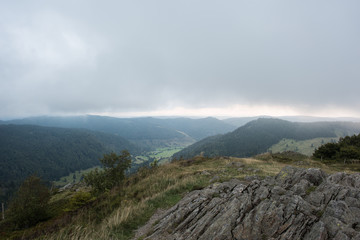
{"points": [[241, 121], [147, 131], [257, 136]]}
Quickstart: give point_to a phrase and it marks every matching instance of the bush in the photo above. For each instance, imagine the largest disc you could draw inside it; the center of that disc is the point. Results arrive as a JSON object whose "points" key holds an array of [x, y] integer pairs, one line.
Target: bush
{"points": [[78, 200], [112, 174], [30, 204], [346, 148], [327, 151]]}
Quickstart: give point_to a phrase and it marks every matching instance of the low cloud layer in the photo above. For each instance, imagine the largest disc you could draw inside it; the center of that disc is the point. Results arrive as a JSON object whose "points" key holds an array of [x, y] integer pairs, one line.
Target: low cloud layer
{"points": [[79, 57]]}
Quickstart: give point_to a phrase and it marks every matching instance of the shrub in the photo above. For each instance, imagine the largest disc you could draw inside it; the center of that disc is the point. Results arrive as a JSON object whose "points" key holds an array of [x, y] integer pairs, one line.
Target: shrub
{"points": [[346, 148], [30, 204], [78, 200], [112, 174]]}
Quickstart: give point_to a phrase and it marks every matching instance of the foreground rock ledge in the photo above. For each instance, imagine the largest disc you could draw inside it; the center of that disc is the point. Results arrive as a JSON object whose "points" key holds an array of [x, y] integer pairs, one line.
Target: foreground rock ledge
{"points": [[296, 204]]}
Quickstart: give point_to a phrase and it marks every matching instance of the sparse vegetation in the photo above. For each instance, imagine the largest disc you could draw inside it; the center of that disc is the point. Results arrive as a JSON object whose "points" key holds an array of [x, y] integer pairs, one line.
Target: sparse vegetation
{"points": [[284, 157], [310, 190]]}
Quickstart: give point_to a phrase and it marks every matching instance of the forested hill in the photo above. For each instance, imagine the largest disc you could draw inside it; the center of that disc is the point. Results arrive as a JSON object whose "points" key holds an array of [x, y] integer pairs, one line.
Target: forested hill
{"points": [[149, 132], [51, 152], [257, 136]]}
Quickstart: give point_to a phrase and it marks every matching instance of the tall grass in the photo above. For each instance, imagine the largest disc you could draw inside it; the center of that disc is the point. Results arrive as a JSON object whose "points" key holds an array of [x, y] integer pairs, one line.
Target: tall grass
{"points": [[117, 214], [135, 203]]}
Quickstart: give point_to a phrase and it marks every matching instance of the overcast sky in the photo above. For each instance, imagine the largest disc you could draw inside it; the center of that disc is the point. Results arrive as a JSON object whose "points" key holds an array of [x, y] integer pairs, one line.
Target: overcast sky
{"points": [[188, 57]]}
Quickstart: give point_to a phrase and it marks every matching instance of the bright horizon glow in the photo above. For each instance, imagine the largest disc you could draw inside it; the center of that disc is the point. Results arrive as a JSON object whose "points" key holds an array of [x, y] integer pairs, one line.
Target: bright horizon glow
{"points": [[234, 111], [231, 111]]}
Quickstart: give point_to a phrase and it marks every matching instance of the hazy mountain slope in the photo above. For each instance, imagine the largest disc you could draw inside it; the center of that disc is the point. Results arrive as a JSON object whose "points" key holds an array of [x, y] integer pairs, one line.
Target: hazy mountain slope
{"points": [[241, 121], [198, 128], [132, 128], [51, 152], [319, 119], [258, 135], [151, 132]]}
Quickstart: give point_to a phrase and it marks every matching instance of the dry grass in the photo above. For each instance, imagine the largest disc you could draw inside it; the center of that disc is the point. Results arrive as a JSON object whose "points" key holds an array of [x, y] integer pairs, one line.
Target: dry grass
{"points": [[149, 190]]}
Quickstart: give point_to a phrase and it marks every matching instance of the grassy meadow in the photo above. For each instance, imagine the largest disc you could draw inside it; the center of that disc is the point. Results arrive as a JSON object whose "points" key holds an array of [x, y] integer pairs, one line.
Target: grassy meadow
{"points": [[162, 155], [306, 147]]}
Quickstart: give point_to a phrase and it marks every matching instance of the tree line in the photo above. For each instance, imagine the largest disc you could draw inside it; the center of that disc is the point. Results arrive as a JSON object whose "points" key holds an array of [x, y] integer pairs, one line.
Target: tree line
{"points": [[347, 148]]}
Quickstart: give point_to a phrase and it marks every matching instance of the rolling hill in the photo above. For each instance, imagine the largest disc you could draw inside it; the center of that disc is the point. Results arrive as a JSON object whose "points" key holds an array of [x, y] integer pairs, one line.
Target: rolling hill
{"points": [[148, 132], [241, 121], [51, 152], [257, 136]]}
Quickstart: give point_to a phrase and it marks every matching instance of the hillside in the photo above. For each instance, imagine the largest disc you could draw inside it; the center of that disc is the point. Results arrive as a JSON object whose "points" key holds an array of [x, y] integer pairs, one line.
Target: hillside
{"points": [[198, 128], [306, 147], [259, 135], [151, 193], [50, 152], [148, 132]]}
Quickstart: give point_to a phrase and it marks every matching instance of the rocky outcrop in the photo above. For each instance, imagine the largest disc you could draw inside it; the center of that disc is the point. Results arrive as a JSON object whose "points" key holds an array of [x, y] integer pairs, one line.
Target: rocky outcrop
{"points": [[296, 204]]}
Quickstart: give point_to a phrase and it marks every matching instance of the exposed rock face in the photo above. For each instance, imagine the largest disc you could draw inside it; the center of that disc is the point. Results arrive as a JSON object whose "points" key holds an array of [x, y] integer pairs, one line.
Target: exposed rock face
{"points": [[296, 204]]}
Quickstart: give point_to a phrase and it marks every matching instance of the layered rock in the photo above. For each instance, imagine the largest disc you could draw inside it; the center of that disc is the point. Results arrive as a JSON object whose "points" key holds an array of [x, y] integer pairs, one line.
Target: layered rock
{"points": [[296, 204]]}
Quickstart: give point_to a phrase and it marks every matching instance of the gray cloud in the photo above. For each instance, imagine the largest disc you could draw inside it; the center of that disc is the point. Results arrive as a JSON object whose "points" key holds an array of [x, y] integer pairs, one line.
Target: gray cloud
{"points": [[86, 56]]}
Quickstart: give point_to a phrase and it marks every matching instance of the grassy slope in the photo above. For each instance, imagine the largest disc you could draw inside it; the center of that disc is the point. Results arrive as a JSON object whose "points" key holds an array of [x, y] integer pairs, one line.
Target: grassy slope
{"points": [[306, 147], [116, 214]]}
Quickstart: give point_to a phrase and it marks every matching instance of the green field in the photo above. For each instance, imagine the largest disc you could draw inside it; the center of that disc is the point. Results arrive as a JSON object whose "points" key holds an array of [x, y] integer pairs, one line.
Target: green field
{"points": [[161, 154], [306, 147]]}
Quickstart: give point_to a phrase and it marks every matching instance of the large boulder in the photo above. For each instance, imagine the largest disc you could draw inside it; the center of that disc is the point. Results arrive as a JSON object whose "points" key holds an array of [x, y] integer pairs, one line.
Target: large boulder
{"points": [[295, 204]]}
